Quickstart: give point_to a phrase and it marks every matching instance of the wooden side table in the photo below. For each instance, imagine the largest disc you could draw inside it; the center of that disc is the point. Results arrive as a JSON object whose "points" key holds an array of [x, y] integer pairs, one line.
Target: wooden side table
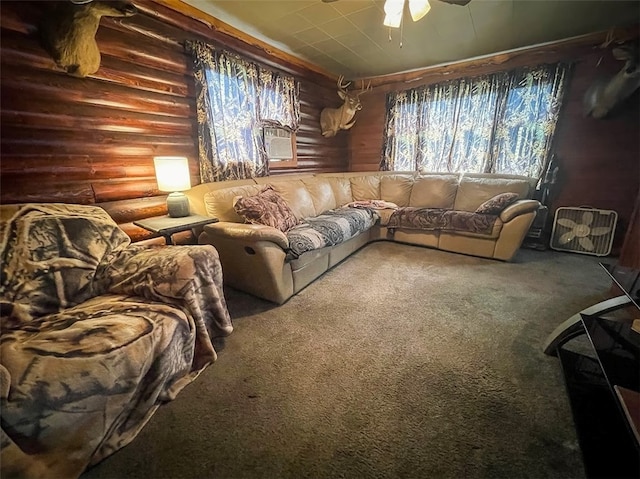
{"points": [[166, 226]]}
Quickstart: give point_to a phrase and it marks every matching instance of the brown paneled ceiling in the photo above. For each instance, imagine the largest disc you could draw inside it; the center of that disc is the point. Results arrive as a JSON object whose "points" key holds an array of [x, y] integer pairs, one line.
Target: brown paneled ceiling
{"points": [[346, 37]]}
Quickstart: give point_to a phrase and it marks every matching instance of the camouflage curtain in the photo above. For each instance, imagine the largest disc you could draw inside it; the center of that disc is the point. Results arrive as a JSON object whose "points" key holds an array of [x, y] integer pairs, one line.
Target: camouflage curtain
{"points": [[500, 123], [234, 99]]}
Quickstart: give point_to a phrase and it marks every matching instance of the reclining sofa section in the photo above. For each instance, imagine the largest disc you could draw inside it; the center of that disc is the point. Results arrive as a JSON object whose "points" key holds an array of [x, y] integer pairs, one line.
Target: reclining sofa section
{"points": [[435, 210]]}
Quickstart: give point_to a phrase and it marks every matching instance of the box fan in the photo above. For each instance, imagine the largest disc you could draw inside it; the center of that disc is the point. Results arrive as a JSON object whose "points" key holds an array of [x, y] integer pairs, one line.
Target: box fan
{"points": [[583, 230]]}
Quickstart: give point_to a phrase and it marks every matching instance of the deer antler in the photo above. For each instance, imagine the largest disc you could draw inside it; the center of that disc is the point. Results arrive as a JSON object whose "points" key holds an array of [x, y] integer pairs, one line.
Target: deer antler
{"points": [[340, 85], [363, 89]]}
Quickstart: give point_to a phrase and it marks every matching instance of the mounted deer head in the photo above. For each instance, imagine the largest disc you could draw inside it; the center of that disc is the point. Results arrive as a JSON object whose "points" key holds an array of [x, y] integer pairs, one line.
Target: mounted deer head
{"points": [[334, 119], [68, 32], [604, 95]]}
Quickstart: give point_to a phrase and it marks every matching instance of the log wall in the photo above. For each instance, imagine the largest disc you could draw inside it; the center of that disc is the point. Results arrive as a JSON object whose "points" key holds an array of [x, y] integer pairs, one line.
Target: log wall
{"points": [[92, 140], [599, 160]]}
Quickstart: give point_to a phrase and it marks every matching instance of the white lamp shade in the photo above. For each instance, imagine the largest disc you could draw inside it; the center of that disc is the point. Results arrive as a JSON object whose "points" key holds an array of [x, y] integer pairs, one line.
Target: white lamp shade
{"points": [[418, 9], [172, 173], [393, 13]]}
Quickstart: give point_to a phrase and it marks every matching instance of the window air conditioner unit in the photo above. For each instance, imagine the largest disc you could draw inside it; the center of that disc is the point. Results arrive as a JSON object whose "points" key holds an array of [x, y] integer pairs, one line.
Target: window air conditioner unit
{"points": [[277, 142]]}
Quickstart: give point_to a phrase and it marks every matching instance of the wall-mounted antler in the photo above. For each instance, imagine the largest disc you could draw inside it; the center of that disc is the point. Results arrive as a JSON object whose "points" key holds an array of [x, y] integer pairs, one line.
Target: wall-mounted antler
{"points": [[68, 32], [604, 95], [334, 119]]}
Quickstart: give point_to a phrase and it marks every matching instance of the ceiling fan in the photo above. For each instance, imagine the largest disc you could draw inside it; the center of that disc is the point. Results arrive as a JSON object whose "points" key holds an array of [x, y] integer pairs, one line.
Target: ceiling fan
{"points": [[393, 9]]}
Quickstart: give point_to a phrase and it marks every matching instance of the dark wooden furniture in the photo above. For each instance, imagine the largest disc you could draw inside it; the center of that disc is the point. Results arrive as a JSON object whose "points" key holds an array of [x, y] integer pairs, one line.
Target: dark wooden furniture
{"points": [[603, 381], [166, 226]]}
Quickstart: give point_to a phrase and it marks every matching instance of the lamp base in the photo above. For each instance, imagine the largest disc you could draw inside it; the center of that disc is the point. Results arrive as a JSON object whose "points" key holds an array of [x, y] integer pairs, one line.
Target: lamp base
{"points": [[178, 205]]}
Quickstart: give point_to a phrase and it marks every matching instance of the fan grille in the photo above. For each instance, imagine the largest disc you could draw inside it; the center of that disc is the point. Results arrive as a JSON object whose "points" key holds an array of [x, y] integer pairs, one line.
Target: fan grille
{"points": [[584, 230]]}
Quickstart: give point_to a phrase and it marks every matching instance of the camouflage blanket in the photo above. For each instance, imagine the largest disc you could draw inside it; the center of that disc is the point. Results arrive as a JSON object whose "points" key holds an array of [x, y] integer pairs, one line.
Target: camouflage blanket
{"points": [[442, 219], [329, 229], [95, 335]]}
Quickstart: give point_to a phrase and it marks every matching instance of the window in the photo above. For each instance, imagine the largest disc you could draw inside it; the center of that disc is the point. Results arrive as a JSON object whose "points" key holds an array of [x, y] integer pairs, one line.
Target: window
{"points": [[500, 123], [236, 100]]}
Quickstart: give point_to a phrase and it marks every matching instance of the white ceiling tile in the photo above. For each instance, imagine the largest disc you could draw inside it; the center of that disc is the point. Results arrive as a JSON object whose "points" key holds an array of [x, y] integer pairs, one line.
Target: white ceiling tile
{"points": [[319, 13], [288, 25], [311, 35], [337, 27], [345, 7], [330, 47]]}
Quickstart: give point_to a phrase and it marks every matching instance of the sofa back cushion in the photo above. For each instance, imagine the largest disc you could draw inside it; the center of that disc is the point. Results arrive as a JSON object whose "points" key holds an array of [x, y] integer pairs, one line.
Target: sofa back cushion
{"points": [[475, 190], [197, 193], [341, 187], [365, 187], [396, 189], [321, 194], [219, 203], [434, 191]]}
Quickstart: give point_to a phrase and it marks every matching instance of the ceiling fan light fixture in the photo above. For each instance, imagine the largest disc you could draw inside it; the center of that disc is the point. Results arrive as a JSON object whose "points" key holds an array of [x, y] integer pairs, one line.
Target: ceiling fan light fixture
{"points": [[418, 9], [393, 13]]}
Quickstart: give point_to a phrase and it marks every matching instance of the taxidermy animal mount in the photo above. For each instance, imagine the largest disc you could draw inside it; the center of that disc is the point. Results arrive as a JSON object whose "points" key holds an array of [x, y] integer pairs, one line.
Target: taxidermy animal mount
{"points": [[604, 95], [334, 119], [68, 32]]}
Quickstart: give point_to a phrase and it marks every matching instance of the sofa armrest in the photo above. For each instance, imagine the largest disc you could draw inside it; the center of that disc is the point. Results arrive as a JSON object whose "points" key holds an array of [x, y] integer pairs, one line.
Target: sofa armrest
{"points": [[188, 276], [247, 232], [519, 208]]}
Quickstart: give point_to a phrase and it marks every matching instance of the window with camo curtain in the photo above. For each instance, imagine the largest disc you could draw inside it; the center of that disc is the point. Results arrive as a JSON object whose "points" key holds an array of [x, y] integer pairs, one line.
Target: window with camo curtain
{"points": [[499, 123], [235, 98]]}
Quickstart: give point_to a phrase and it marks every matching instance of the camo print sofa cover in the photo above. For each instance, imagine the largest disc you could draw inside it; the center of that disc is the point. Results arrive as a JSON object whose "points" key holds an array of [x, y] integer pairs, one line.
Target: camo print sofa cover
{"points": [[95, 335]]}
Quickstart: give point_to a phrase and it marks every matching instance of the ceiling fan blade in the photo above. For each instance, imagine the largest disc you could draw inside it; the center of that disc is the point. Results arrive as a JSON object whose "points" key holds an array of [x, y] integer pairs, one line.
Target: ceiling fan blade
{"points": [[587, 218], [566, 237], [586, 243], [418, 9], [393, 13], [462, 3], [567, 223], [600, 230]]}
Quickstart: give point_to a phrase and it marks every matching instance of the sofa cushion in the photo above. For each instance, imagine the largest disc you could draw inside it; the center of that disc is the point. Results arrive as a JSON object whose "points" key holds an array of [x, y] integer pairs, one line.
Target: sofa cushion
{"points": [[431, 219], [396, 189], [365, 187], [473, 191], [219, 203], [328, 229], [321, 194], [266, 208], [495, 205], [434, 191]]}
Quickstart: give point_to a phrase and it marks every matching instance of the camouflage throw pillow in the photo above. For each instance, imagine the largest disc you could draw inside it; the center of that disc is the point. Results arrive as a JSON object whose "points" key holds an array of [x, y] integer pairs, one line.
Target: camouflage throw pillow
{"points": [[495, 205], [266, 208]]}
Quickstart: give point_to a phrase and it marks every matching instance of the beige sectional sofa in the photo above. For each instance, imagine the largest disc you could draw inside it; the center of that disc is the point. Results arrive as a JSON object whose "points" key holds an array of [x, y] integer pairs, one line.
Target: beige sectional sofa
{"points": [[257, 259]]}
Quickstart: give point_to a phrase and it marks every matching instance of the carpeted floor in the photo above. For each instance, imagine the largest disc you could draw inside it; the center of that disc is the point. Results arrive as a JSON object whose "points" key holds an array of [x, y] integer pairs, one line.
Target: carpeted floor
{"points": [[400, 362]]}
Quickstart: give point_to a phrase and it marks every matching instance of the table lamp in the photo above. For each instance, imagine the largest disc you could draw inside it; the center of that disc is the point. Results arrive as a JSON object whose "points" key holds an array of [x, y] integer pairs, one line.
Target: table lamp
{"points": [[172, 173]]}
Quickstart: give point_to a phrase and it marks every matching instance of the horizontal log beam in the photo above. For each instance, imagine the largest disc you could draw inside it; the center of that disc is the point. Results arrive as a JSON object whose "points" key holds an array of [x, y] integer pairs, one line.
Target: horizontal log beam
{"points": [[112, 190], [31, 190], [79, 119], [62, 87], [124, 211], [77, 168]]}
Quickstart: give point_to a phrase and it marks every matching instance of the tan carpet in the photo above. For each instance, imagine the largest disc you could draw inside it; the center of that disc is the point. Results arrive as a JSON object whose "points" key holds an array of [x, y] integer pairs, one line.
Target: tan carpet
{"points": [[400, 362]]}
